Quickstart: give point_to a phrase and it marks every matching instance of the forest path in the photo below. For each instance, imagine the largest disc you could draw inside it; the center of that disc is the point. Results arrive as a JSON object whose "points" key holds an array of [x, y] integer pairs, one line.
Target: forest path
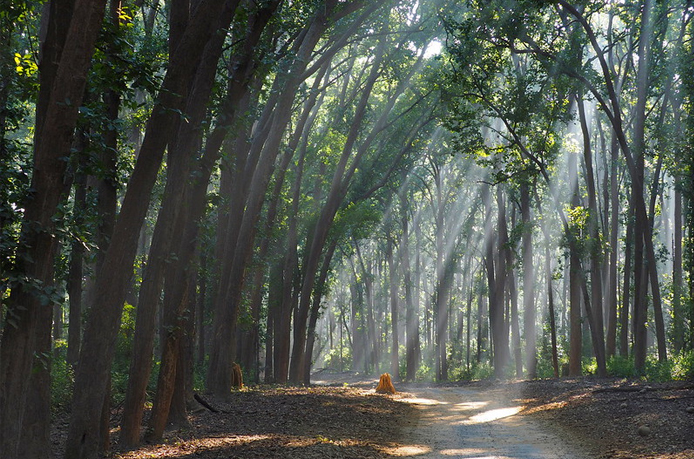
{"points": [[478, 423]]}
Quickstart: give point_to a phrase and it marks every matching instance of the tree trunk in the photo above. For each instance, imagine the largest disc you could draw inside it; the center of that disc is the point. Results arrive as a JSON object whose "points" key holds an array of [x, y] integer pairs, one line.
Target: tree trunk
{"points": [[315, 309], [550, 304], [183, 391], [111, 289], [75, 275], [63, 78], [657, 305], [178, 172], [174, 324], [498, 318], [595, 249], [200, 335], [513, 315], [678, 312], [626, 288], [411, 314], [612, 306], [496, 275], [575, 316], [440, 311], [529, 313], [394, 313]]}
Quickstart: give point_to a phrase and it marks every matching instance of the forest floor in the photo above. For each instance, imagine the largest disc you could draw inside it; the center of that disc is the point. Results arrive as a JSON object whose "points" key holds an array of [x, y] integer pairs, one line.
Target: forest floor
{"points": [[617, 419], [344, 418]]}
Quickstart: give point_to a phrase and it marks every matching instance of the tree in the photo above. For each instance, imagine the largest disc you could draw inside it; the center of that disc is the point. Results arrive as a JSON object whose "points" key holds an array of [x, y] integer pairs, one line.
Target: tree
{"points": [[102, 324], [28, 318]]}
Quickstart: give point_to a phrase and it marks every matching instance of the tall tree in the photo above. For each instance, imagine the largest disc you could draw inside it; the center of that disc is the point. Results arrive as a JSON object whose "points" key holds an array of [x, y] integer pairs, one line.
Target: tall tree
{"points": [[28, 314], [110, 291]]}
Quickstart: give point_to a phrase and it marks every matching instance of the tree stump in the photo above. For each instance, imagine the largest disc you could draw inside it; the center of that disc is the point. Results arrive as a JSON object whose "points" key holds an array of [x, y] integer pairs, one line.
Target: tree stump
{"points": [[236, 376], [385, 385]]}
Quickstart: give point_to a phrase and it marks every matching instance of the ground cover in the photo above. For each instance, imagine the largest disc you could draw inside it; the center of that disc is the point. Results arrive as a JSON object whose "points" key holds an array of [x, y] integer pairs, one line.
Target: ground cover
{"points": [[609, 418]]}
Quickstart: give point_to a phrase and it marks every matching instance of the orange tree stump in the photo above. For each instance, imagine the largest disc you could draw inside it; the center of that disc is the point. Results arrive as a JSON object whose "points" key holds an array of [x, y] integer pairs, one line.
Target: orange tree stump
{"points": [[236, 376], [385, 385]]}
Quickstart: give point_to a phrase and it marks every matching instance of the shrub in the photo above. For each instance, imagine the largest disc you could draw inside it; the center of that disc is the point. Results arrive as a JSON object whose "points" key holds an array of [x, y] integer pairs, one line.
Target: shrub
{"points": [[482, 370], [335, 361], [683, 366], [621, 367], [589, 365], [424, 372], [657, 371]]}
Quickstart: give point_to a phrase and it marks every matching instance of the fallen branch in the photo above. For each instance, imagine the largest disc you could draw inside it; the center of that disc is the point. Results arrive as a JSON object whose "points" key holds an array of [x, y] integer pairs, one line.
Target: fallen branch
{"points": [[205, 404]]}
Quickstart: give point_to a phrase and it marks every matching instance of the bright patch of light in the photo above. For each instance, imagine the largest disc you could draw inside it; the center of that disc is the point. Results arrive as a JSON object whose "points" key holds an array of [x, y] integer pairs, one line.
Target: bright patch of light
{"points": [[423, 401], [408, 450], [471, 405], [466, 453], [493, 415], [433, 49]]}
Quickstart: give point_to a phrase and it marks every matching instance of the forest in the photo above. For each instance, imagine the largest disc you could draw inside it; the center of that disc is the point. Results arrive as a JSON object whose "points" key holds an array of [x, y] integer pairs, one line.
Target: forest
{"points": [[194, 190]]}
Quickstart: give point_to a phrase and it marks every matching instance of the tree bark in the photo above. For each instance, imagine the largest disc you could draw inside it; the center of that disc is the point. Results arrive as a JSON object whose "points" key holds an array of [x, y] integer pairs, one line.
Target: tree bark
{"points": [[318, 294], [626, 286], [263, 152], [594, 247], [166, 240], [657, 305], [678, 312], [394, 311], [575, 316], [513, 314], [612, 306], [497, 313], [641, 232], [75, 274], [63, 78], [550, 304], [529, 313], [111, 289], [411, 314]]}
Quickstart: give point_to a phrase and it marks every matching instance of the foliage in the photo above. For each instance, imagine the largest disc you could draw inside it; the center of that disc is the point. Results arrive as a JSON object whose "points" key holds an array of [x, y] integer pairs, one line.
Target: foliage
{"points": [[621, 367], [683, 366], [482, 371], [425, 372], [657, 371], [679, 367], [125, 335], [339, 358]]}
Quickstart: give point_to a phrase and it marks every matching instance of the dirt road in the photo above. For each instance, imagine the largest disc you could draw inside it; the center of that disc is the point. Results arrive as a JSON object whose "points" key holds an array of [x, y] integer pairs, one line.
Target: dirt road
{"points": [[478, 423]]}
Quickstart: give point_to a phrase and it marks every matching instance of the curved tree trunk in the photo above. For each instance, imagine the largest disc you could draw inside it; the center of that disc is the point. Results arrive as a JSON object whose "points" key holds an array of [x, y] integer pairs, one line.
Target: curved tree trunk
{"points": [[263, 153], [111, 289], [315, 310], [595, 249]]}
